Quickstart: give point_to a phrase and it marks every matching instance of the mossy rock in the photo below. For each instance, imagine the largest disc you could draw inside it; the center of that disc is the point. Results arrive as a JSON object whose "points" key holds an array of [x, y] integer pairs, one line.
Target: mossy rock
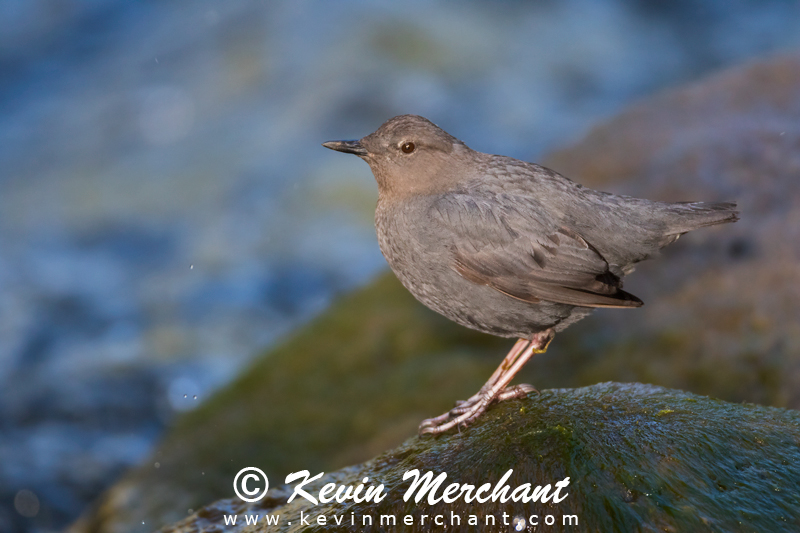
{"points": [[638, 458]]}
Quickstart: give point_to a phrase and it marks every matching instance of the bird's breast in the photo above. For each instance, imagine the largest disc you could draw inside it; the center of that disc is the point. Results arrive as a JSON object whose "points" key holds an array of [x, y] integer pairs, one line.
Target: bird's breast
{"points": [[395, 238], [404, 240]]}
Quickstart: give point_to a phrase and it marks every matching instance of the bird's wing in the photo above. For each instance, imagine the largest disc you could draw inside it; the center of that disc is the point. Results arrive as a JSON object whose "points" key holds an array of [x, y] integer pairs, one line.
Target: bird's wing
{"points": [[506, 243]]}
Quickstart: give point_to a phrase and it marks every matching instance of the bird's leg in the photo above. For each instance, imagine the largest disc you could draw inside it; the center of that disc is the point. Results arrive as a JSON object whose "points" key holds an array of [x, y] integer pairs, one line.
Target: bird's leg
{"points": [[465, 413], [518, 348], [508, 362], [462, 405], [495, 389], [517, 391]]}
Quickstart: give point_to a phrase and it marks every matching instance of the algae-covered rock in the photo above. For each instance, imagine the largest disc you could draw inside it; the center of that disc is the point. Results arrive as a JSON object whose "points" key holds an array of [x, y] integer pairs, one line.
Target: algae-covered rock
{"points": [[638, 458], [720, 314]]}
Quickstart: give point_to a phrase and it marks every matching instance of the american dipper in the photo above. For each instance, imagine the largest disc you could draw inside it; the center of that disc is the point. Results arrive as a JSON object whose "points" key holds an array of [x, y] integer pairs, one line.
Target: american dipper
{"points": [[507, 247]]}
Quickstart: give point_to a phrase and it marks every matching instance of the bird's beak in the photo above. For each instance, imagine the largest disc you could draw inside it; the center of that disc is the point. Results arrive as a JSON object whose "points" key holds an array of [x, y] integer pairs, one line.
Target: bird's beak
{"points": [[348, 147]]}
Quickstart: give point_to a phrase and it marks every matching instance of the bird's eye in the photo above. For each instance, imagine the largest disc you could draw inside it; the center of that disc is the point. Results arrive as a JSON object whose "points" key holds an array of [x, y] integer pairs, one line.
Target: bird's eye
{"points": [[407, 147]]}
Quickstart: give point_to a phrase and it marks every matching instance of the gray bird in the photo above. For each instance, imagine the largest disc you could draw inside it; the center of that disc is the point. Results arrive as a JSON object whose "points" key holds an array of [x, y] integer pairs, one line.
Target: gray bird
{"points": [[507, 247]]}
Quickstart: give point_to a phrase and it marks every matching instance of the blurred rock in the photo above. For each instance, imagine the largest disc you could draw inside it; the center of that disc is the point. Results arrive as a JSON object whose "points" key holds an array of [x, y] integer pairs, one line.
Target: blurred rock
{"points": [[638, 458], [721, 306], [719, 319]]}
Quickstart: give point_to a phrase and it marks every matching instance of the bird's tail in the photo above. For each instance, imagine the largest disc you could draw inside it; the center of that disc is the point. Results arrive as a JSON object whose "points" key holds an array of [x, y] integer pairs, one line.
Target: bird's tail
{"points": [[692, 215]]}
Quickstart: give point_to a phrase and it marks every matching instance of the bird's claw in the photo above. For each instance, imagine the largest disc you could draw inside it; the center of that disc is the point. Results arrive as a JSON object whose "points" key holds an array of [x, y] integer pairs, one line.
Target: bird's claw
{"points": [[466, 411]]}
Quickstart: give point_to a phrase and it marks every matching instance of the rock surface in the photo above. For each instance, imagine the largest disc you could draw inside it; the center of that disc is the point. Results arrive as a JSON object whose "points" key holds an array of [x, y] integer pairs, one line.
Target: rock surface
{"points": [[638, 458], [719, 319]]}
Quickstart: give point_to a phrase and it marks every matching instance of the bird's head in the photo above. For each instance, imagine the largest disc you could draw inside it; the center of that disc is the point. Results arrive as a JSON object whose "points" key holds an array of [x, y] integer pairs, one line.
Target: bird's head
{"points": [[409, 154]]}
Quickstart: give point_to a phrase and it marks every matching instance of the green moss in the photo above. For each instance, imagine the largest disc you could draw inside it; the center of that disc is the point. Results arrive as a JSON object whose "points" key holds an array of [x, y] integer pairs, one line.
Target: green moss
{"points": [[710, 466]]}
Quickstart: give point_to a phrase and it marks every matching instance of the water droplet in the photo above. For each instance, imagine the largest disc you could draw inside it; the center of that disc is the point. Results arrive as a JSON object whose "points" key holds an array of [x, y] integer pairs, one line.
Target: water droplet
{"points": [[191, 267], [157, 465], [26, 503], [518, 523], [190, 511], [179, 390], [195, 396]]}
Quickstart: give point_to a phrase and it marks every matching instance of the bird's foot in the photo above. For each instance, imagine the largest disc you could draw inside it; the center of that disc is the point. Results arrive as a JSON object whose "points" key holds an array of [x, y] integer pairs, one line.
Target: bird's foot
{"points": [[467, 411], [509, 393], [497, 389]]}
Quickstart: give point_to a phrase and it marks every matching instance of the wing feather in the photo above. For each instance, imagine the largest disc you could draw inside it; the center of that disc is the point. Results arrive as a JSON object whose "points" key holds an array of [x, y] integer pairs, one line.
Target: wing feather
{"points": [[507, 244]]}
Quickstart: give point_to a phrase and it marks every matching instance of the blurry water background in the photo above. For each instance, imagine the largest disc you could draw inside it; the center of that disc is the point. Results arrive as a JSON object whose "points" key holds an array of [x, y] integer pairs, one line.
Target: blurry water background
{"points": [[167, 211]]}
